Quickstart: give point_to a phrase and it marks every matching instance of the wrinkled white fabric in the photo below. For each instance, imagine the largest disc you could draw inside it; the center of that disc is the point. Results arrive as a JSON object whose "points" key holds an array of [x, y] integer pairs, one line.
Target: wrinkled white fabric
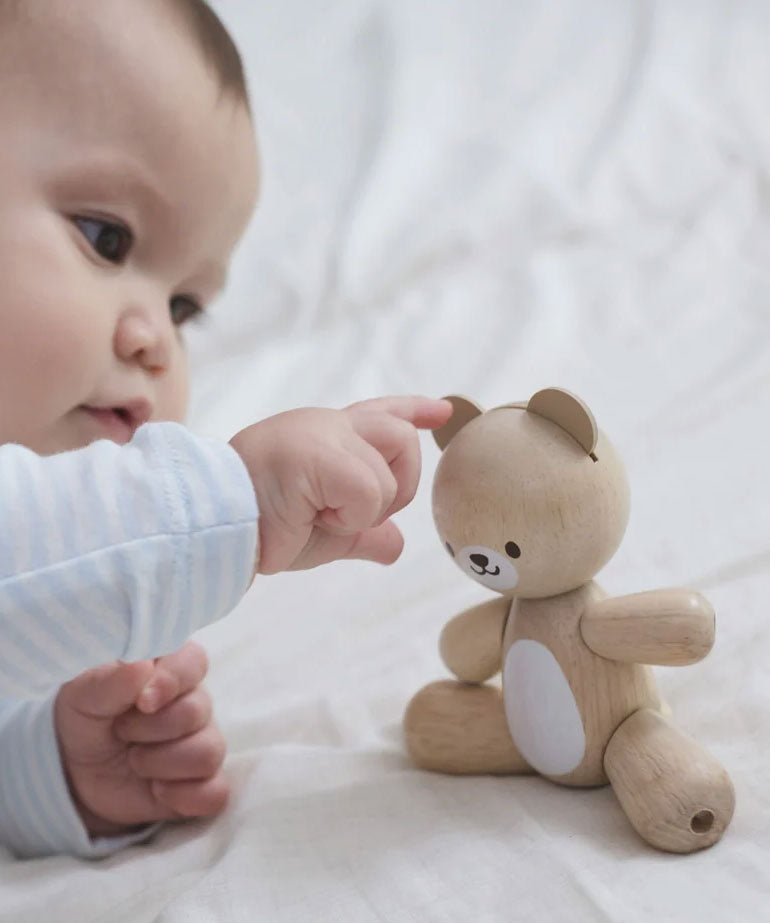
{"points": [[482, 198]]}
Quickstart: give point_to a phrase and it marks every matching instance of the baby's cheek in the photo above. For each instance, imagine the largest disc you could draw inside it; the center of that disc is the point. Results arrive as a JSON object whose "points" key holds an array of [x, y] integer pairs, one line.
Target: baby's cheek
{"points": [[173, 391], [45, 364], [52, 330]]}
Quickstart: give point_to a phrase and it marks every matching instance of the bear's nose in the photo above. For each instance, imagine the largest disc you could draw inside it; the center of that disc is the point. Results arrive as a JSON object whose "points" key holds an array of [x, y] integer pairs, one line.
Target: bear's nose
{"points": [[480, 560]]}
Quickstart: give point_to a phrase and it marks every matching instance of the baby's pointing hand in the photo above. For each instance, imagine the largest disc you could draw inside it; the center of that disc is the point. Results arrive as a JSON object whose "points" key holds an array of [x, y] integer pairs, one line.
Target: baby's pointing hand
{"points": [[328, 481]]}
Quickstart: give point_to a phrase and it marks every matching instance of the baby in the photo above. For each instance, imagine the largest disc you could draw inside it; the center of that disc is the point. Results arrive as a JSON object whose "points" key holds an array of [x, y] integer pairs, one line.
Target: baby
{"points": [[128, 172]]}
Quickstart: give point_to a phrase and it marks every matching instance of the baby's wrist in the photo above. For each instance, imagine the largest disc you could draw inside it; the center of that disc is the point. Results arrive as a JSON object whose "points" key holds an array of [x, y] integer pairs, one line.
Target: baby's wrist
{"points": [[95, 824], [241, 444]]}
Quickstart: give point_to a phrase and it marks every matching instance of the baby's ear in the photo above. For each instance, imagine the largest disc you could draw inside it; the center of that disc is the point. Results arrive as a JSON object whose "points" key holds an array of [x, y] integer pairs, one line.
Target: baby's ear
{"points": [[569, 412], [463, 411]]}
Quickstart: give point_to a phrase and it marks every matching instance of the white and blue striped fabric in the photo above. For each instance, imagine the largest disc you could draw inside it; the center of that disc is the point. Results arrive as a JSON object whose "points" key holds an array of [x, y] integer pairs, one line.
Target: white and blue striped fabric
{"points": [[105, 552]]}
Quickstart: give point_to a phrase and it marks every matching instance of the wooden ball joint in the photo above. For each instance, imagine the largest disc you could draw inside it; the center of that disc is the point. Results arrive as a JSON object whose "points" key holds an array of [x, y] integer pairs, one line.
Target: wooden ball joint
{"points": [[531, 500]]}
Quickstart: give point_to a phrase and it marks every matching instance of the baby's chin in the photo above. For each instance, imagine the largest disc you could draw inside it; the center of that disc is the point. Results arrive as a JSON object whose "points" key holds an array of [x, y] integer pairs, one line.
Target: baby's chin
{"points": [[73, 431], [79, 428], [54, 443]]}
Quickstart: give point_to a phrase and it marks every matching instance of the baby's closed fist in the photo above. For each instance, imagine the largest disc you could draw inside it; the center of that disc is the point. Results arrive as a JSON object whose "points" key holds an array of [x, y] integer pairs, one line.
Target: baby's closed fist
{"points": [[328, 481], [138, 742]]}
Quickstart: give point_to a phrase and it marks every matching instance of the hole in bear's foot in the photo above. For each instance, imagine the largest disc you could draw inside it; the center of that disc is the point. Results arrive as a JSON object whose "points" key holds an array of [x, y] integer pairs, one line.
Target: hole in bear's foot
{"points": [[702, 822]]}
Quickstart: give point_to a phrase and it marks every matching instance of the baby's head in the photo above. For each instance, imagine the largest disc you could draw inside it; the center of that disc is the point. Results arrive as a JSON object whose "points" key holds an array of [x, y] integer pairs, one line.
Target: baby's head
{"points": [[128, 172]]}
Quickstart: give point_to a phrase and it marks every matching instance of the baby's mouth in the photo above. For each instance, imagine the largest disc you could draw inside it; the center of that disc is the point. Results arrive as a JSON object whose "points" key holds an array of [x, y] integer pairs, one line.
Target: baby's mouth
{"points": [[117, 423]]}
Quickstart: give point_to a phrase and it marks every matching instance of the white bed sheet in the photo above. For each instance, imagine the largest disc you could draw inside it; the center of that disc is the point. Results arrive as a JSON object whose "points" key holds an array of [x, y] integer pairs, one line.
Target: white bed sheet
{"points": [[482, 198]]}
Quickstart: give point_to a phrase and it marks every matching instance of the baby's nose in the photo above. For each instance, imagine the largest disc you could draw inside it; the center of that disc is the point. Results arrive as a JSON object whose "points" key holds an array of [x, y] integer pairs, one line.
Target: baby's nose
{"points": [[143, 337], [480, 560]]}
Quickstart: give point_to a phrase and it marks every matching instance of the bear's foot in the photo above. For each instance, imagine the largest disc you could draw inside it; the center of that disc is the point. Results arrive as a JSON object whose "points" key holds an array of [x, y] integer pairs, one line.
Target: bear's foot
{"points": [[460, 728], [674, 792]]}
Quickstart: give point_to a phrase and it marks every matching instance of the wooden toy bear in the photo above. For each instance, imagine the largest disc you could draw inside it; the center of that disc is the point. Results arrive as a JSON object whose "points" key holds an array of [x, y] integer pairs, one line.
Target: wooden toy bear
{"points": [[531, 500]]}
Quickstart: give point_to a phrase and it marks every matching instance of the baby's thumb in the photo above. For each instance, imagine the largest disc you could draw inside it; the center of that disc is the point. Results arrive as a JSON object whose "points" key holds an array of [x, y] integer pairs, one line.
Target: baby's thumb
{"points": [[108, 690], [383, 544]]}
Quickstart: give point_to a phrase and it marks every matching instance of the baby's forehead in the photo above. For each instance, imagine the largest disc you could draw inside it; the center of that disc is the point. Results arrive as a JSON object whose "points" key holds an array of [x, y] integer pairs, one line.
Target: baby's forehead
{"points": [[113, 71], [114, 26]]}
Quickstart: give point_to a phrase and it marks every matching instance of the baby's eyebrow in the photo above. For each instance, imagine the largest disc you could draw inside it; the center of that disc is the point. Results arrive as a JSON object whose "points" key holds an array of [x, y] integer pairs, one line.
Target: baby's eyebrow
{"points": [[116, 175]]}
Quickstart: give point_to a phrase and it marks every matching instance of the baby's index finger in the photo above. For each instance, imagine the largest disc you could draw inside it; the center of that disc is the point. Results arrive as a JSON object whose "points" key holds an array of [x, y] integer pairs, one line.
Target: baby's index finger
{"points": [[421, 412]]}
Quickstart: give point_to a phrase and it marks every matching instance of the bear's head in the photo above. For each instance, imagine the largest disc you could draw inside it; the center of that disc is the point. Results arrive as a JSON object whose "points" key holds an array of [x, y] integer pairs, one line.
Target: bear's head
{"points": [[529, 499]]}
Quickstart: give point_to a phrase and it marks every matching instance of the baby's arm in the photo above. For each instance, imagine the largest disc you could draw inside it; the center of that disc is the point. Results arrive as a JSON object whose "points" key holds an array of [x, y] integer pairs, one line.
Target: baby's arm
{"points": [[663, 627], [122, 552], [114, 551]]}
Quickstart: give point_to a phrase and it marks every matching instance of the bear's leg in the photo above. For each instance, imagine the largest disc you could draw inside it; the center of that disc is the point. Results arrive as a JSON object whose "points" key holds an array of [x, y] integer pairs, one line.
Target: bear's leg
{"points": [[461, 728], [675, 793]]}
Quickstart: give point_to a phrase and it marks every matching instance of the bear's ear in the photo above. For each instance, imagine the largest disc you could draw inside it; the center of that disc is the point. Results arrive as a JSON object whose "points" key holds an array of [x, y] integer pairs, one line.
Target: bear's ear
{"points": [[463, 411], [569, 412]]}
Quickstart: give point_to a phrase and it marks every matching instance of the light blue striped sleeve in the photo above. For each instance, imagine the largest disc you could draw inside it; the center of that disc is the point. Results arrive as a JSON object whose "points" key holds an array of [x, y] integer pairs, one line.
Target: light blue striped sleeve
{"points": [[37, 815], [117, 551], [105, 552]]}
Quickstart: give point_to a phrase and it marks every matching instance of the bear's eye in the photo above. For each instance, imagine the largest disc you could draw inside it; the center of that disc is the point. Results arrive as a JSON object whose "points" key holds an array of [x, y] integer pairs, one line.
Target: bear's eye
{"points": [[512, 550], [449, 548]]}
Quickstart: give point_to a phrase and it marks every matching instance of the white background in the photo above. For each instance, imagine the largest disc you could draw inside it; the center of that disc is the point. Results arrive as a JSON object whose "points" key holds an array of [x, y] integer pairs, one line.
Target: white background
{"points": [[483, 198]]}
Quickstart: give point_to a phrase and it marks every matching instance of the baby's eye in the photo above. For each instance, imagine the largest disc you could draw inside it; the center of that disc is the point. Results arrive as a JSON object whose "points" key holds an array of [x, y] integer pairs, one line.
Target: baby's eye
{"points": [[112, 241], [184, 308]]}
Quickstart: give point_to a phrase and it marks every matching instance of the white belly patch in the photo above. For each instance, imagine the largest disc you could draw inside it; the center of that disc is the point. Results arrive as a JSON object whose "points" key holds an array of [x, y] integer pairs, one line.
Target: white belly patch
{"points": [[542, 714]]}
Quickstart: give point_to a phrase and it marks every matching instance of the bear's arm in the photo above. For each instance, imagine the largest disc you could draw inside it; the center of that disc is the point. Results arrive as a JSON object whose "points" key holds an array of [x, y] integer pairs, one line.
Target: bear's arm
{"points": [[662, 627], [471, 642]]}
